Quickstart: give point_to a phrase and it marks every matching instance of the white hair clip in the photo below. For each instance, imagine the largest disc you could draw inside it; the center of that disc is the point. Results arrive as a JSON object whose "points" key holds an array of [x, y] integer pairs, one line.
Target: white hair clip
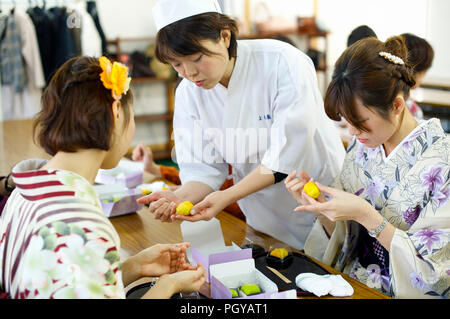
{"points": [[393, 58]]}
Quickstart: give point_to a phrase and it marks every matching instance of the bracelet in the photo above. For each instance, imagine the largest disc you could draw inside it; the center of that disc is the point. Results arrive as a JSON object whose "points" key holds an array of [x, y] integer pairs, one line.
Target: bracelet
{"points": [[7, 187], [374, 233]]}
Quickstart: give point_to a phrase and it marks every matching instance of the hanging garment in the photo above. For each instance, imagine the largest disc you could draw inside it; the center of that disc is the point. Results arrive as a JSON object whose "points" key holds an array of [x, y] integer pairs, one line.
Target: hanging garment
{"points": [[93, 11], [91, 43], [25, 104], [74, 24], [45, 31], [11, 60], [65, 47]]}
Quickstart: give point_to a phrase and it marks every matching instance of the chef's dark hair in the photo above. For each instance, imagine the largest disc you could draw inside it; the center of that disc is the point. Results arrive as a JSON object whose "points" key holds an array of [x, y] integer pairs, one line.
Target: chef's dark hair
{"points": [[183, 37], [361, 73]]}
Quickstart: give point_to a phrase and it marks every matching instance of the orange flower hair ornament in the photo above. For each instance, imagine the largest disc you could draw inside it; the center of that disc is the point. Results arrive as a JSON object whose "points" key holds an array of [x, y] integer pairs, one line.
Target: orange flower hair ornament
{"points": [[114, 77]]}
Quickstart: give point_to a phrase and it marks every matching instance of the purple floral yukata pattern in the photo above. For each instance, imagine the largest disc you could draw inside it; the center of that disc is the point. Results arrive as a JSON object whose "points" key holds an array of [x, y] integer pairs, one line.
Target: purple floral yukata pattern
{"points": [[410, 188]]}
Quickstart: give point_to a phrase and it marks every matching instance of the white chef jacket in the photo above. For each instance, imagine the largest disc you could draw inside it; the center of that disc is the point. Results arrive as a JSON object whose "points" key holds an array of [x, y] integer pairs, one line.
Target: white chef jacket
{"points": [[272, 91]]}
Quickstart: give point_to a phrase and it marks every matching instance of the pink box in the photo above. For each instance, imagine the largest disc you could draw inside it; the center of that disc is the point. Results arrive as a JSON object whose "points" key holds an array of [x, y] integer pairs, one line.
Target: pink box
{"points": [[233, 269], [226, 266], [118, 200], [126, 173]]}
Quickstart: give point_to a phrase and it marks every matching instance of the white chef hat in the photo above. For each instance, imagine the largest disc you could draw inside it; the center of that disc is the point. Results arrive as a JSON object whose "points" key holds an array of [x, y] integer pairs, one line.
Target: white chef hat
{"points": [[166, 12]]}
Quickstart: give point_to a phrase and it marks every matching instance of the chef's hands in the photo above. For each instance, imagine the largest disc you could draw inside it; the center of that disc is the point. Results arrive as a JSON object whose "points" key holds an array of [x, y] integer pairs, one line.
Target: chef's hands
{"points": [[208, 208], [163, 204]]}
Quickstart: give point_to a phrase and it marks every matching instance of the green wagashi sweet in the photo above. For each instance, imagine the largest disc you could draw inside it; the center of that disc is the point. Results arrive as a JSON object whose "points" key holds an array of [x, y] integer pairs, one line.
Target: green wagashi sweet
{"points": [[116, 198], [250, 289]]}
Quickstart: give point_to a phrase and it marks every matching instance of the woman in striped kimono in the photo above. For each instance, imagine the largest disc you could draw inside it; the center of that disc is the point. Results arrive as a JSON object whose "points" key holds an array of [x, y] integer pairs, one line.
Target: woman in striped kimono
{"points": [[55, 241], [386, 219]]}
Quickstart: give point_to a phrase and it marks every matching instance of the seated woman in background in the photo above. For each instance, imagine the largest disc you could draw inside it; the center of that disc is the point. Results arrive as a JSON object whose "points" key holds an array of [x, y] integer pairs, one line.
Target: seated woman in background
{"points": [[55, 241], [385, 221], [420, 57], [360, 32]]}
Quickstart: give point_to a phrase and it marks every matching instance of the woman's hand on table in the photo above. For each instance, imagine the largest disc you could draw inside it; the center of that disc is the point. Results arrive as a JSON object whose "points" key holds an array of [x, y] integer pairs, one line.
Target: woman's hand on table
{"points": [[162, 204], [207, 209], [156, 261], [186, 281], [163, 259]]}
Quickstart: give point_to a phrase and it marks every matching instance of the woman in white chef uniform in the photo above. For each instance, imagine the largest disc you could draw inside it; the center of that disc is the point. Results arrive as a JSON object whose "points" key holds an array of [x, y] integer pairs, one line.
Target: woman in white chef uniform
{"points": [[252, 104]]}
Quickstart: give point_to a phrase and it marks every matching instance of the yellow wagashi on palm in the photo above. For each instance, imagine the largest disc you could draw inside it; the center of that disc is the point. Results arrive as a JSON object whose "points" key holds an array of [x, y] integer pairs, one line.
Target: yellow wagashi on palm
{"points": [[184, 208]]}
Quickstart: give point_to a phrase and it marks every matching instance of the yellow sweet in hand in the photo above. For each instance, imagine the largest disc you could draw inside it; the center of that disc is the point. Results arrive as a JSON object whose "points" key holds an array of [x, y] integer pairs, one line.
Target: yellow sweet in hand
{"points": [[280, 253], [145, 191], [311, 189], [184, 208]]}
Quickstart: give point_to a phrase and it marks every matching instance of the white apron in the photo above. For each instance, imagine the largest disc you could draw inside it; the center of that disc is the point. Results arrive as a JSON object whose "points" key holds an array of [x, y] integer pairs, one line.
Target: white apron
{"points": [[271, 114]]}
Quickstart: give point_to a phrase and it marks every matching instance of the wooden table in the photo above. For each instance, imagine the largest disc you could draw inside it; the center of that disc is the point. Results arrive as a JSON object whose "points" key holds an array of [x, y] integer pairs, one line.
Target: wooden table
{"points": [[140, 230]]}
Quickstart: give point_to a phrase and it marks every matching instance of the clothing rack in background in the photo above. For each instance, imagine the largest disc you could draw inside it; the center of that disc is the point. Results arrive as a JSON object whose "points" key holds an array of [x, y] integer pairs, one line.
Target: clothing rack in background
{"points": [[36, 38], [33, 3]]}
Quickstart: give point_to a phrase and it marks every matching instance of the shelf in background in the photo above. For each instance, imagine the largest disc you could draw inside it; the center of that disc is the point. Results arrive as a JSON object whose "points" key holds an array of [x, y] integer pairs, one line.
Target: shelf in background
{"points": [[153, 117], [150, 79], [272, 34]]}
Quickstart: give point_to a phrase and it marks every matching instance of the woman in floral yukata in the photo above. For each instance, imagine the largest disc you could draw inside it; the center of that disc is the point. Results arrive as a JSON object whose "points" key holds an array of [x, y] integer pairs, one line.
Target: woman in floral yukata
{"points": [[55, 241], [386, 219]]}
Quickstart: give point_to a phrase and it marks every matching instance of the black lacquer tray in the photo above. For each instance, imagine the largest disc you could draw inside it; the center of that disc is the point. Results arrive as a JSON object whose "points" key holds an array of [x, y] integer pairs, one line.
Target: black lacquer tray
{"points": [[300, 264], [138, 291]]}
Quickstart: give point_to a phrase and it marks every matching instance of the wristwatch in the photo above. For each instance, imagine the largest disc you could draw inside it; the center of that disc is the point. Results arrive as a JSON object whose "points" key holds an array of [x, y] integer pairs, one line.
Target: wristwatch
{"points": [[374, 233]]}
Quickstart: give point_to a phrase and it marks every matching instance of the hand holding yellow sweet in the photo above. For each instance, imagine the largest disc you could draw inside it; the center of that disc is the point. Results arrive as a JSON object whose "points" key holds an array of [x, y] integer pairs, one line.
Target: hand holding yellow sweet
{"points": [[311, 189], [184, 208]]}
